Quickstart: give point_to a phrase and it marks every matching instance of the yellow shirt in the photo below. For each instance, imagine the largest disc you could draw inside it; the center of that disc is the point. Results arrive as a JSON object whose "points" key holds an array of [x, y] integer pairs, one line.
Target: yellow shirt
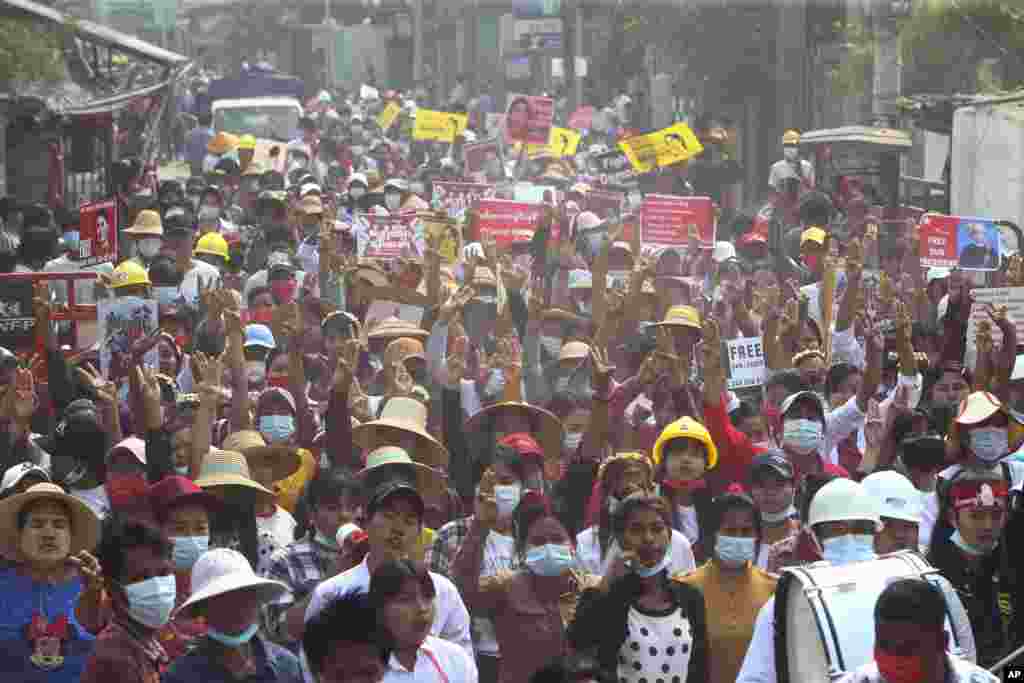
{"points": [[288, 490], [731, 603]]}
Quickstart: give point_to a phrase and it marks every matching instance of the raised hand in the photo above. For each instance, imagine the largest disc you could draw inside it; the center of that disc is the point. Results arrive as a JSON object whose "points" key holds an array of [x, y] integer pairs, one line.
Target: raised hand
{"points": [[712, 346], [20, 399], [103, 389], [89, 569], [508, 356], [343, 372], [211, 371], [456, 302]]}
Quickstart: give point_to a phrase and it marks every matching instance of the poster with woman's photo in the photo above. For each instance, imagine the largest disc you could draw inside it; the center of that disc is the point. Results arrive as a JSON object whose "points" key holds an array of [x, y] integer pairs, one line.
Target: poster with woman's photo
{"points": [[97, 242], [529, 119], [122, 323]]}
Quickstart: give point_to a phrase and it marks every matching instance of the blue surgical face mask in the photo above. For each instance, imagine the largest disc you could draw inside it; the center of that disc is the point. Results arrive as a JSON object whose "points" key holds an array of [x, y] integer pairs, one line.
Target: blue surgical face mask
{"points": [[326, 541], [734, 551], [647, 572], [71, 239], [849, 548], [187, 550], [233, 641], [181, 471], [277, 428], [150, 602], [552, 559]]}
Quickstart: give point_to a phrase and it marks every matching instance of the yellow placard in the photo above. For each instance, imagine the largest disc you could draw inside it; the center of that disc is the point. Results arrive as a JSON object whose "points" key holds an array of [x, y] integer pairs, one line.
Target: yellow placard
{"points": [[387, 117], [562, 142], [661, 148], [442, 126], [448, 234]]}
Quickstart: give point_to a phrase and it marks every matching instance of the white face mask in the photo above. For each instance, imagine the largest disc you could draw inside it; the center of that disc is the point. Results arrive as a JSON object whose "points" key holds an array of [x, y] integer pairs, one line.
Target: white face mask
{"points": [[507, 498], [989, 444], [150, 246], [256, 372], [802, 436], [791, 153], [571, 442]]}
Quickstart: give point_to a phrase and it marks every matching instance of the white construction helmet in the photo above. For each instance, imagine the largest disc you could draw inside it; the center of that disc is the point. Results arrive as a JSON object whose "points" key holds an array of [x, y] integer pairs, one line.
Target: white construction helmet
{"points": [[843, 500], [894, 495]]}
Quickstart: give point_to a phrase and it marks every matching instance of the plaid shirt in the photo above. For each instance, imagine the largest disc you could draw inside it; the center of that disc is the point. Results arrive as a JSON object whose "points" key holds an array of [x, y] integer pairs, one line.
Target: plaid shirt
{"points": [[301, 566], [447, 540]]}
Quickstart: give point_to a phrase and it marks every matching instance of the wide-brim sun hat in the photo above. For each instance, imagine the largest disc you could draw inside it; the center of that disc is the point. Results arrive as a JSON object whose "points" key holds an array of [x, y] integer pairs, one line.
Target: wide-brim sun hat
{"points": [[544, 425], [391, 465], [394, 328], [221, 571], [402, 416], [285, 460], [229, 469], [85, 526]]}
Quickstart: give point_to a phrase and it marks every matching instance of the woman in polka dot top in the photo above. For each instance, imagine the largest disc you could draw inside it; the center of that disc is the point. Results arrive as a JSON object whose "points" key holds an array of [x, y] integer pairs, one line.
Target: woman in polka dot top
{"points": [[646, 627]]}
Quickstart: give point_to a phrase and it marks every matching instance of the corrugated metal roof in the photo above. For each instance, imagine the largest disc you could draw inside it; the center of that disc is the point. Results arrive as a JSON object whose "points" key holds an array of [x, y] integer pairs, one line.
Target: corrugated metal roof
{"points": [[97, 32]]}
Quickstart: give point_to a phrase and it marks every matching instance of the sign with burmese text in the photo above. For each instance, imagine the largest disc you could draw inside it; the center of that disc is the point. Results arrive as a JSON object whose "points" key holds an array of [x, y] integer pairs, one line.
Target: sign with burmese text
{"points": [[389, 236], [509, 221], [668, 220]]}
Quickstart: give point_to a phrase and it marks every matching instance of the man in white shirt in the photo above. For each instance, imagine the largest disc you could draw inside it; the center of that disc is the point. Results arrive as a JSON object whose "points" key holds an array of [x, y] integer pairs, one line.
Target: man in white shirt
{"points": [[394, 524], [178, 241]]}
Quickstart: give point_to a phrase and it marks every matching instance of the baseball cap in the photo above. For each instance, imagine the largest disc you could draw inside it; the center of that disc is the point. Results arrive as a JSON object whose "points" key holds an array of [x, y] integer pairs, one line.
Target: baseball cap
{"points": [[392, 488], [723, 251], [259, 335], [937, 274], [802, 395], [812, 234], [16, 473], [771, 461]]}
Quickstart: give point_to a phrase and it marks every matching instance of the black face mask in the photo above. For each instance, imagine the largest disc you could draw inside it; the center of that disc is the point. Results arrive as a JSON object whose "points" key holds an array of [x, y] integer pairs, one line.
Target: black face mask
{"points": [[942, 415]]}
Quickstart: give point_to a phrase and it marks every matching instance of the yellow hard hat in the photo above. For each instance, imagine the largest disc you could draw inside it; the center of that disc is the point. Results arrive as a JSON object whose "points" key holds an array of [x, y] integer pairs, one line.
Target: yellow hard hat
{"points": [[791, 137], [681, 316], [247, 142], [213, 243], [129, 273], [813, 234], [686, 428]]}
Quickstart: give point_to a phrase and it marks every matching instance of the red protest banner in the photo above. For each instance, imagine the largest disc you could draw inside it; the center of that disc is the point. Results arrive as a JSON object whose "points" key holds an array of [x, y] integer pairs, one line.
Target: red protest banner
{"points": [[667, 220], [529, 118], [97, 242], [508, 221], [389, 236], [455, 198]]}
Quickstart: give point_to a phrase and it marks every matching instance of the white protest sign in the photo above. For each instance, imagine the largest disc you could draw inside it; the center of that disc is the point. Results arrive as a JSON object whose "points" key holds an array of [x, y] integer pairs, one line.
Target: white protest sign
{"points": [[746, 362]]}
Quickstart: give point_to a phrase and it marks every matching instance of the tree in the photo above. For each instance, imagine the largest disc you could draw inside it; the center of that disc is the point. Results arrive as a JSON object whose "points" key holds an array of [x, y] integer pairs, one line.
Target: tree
{"points": [[29, 52]]}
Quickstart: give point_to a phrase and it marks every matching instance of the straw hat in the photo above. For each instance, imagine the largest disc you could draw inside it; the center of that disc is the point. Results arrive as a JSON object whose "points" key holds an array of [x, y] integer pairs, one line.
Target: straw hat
{"points": [[402, 349], [390, 465], [405, 415], [228, 468], [372, 274], [146, 223], [250, 443], [85, 526], [681, 316], [542, 423], [221, 571], [394, 328]]}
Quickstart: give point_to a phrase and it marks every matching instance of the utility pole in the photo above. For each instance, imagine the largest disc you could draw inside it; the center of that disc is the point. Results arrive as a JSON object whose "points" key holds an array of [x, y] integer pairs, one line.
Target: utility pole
{"points": [[417, 40], [577, 52]]}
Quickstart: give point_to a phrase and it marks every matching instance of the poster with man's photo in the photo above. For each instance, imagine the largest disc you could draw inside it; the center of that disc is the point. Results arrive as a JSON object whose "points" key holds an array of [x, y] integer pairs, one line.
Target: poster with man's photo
{"points": [[97, 242], [959, 241]]}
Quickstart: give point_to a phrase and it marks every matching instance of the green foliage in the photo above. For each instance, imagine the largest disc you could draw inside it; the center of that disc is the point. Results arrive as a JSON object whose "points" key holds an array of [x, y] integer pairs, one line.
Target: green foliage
{"points": [[29, 51], [964, 41], [853, 75]]}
